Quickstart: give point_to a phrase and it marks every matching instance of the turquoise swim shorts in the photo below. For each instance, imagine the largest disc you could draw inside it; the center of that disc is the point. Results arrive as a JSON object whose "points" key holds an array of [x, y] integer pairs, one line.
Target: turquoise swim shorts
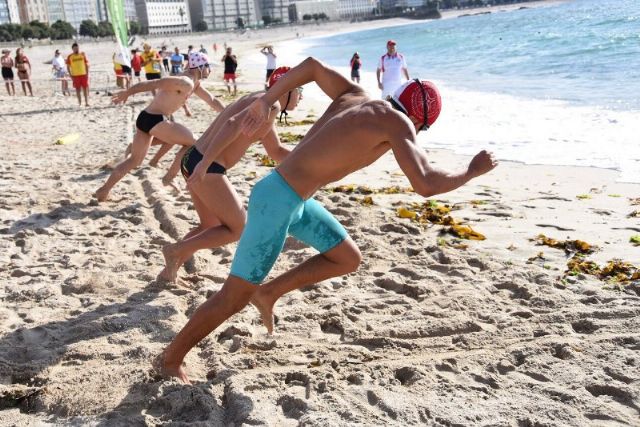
{"points": [[275, 211]]}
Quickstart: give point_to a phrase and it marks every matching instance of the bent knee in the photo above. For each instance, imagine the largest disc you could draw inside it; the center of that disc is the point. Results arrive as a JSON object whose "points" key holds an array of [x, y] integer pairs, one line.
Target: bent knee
{"points": [[348, 256], [236, 229]]}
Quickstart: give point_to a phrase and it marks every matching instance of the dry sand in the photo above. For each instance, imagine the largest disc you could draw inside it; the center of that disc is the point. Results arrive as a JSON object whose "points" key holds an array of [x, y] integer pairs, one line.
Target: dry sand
{"points": [[424, 333]]}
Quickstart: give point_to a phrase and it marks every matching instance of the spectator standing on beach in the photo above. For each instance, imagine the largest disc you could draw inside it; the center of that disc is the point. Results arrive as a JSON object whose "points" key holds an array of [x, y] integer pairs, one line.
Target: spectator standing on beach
{"points": [[176, 62], [203, 50], [136, 63], [78, 66], [60, 72], [271, 61], [230, 66], [393, 68], [24, 71], [7, 71], [215, 48], [151, 61], [355, 63], [165, 54]]}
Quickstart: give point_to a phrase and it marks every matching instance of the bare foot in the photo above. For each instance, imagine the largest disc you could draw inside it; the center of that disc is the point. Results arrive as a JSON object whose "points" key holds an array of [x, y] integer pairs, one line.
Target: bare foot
{"points": [[169, 370], [171, 264], [265, 307], [101, 194], [153, 163]]}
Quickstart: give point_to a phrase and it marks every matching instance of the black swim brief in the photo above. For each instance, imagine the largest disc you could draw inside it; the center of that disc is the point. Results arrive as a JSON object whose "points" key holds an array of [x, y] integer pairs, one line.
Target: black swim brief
{"points": [[146, 121], [191, 159]]}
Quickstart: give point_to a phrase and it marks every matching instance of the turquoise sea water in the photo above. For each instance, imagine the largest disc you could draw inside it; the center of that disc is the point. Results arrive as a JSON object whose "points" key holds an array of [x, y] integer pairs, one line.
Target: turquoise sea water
{"points": [[559, 84], [584, 51]]}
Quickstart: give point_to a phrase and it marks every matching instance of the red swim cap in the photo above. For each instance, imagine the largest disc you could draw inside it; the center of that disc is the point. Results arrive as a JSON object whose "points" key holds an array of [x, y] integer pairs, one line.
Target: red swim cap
{"points": [[411, 98], [277, 74]]}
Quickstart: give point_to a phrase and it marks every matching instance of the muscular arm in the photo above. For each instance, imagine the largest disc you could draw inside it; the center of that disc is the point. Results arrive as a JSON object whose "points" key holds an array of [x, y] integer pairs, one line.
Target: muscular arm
{"points": [[207, 97], [429, 181], [167, 83], [330, 81], [271, 144]]}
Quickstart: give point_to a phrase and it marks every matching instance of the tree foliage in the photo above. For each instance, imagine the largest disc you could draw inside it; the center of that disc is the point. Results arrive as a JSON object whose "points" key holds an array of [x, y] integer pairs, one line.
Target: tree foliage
{"points": [[105, 29], [59, 30], [62, 30], [134, 28], [201, 26], [89, 28]]}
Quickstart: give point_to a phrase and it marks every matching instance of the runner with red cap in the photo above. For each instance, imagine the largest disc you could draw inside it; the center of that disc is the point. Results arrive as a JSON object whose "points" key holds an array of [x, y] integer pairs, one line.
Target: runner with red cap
{"points": [[352, 133], [204, 166]]}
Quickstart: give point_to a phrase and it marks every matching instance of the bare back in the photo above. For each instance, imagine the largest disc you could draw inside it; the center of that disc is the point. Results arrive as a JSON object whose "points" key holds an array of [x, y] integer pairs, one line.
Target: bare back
{"points": [[353, 133], [236, 148], [168, 101]]}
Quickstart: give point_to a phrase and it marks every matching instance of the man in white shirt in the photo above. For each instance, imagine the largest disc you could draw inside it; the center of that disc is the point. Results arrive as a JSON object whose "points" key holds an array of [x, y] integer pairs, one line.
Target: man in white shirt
{"points": [[60, 72], [394, 71], [271, 61]]}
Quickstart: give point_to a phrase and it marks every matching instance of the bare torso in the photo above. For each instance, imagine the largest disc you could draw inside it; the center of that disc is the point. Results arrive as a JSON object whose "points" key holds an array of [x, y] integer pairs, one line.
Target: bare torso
{"points": [[236, 148], [352, 134], [167, 102]]}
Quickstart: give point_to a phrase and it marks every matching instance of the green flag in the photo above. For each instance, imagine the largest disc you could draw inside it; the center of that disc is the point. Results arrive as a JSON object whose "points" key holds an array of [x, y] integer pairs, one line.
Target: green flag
{"points": [[116, 13]]}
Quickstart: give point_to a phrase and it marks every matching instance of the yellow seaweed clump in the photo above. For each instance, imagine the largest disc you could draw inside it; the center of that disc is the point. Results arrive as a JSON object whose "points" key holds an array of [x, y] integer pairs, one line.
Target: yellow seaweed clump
{"points": [[614, 270], [568, 246], [265, 160], [431, 212]]}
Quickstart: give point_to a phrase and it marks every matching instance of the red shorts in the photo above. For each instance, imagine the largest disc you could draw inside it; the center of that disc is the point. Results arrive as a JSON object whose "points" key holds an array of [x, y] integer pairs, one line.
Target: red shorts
{"points": [[80, 81], [229, 76]]}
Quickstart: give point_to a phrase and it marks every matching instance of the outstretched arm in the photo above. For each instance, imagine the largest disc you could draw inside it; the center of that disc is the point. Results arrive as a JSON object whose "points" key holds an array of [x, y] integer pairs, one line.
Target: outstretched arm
{"points": [[208, 97], [167, 83], [330, 81], [429, 181]]}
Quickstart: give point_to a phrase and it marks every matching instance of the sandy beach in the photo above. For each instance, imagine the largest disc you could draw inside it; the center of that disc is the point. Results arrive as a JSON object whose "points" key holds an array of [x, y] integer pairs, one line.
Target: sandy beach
{"points": [[433, 328]]}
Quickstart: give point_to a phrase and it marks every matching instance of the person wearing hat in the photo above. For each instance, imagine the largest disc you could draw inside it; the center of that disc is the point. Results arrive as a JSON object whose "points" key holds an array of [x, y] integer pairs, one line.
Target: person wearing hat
{"points": [[393, 70], [204, 166], [151, 124], [7, 71], [354, 132]]}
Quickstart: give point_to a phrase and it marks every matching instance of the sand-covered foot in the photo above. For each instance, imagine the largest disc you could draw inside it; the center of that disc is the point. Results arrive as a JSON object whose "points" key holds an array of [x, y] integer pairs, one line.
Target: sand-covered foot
{"points": [[172, 264], [165, 369], [265, 307], [101, 194]]}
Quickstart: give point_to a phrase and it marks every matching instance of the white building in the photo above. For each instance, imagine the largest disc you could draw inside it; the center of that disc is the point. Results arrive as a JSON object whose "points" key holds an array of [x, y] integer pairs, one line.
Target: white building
{"points": [[33, 10], [223, 14], [276, 10], [76, 11], [298, 9], [164, 16], [129, 10], [348, 9], [9, 12]]}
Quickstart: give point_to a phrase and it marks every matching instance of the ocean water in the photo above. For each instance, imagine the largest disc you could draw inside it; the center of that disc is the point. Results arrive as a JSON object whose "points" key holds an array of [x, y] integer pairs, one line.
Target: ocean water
{"points": [[559, 84]]}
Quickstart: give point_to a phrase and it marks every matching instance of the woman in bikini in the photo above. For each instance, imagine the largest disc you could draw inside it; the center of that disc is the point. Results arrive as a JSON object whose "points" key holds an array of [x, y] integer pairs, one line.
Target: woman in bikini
{"points": [[24, 71], [7, 71]]}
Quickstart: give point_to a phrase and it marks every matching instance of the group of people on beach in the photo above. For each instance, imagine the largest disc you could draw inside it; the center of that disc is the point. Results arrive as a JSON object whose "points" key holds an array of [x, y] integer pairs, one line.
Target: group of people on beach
{"points": [[281, 203]]}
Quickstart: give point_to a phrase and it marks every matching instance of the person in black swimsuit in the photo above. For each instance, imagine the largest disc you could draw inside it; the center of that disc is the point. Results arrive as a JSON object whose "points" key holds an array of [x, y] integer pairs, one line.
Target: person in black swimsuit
{"points": [[151, 124], [204, 167]]}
